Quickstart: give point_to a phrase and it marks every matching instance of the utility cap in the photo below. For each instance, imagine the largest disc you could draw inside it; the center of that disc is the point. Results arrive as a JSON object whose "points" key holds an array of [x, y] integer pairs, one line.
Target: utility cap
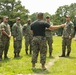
{"points": [[18, 18]]}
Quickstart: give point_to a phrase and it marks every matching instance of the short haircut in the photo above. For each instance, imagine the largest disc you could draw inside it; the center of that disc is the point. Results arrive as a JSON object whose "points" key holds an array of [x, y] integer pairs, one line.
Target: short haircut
{"points": [[40, 14]]}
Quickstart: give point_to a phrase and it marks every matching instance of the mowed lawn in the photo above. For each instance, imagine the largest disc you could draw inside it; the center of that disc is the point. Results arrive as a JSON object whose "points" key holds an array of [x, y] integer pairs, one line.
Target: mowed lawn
{"points": [[22, 65]]}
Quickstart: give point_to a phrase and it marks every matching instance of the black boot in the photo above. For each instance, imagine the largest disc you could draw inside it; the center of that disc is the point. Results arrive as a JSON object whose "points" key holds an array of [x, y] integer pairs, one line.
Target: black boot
{"points": [[0, 57], [5, 56], [15, 55], [68, 54], [50, 55], [26, 52], [30, 52], [63, 53], [18, 54]]}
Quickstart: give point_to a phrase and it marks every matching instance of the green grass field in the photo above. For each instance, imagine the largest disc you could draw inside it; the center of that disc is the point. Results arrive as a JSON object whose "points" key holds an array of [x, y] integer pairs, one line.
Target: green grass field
{"points": [[22, 66]]}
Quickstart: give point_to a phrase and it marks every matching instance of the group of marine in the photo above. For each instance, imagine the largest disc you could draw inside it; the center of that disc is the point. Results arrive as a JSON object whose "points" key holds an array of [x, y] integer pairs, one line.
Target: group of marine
{"points": [[18, 31]]}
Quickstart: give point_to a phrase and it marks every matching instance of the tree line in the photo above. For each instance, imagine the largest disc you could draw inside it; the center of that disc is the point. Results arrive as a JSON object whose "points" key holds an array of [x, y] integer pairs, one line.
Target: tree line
{"points": [[14, 8]]}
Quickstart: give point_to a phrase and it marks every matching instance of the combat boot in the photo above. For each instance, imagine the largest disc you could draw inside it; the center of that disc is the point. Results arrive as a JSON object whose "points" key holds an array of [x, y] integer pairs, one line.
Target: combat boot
{"points": [[15, 55], [43, 67], [68, 54], [26, 52], [50, 55], [33, 65], [63, 53], [18, 54], [5, 56], [30, 52], [0, 57]]}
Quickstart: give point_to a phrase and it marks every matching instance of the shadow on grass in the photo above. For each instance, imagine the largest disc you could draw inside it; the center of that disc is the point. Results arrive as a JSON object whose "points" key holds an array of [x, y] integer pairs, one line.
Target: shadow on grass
{"points": [[5, 60], [51, 57], [71, 57], [40, 71], [29, 55], [18, 58]]}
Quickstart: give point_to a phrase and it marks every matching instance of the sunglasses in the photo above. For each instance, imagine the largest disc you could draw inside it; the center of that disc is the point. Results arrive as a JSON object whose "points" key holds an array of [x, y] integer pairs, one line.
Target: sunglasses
{"points": [[6, 18], [18, 20]]}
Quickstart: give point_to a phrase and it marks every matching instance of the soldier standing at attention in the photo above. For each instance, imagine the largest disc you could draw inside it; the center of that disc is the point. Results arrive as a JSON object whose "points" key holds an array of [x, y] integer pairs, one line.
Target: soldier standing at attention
{"points": [[49, 37], [75, 27], [5, 37], [0, 44], [67, 37], [17, 37], [39, 39], [27, 35]]}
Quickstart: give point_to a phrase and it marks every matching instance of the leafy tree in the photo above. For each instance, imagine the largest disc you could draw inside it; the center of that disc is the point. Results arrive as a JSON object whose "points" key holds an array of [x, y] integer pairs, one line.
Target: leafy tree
{"points": [[33, 16], [61, 12], [13, 9]]}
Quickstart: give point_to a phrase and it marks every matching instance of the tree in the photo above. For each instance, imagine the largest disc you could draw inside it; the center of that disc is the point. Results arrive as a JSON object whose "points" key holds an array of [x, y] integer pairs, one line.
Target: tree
{"points": [[33, 16], [13, 9], [61, 12]]}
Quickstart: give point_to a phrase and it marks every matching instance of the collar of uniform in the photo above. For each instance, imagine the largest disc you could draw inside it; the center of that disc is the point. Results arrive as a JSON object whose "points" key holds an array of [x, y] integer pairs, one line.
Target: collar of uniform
{"points": [[18, 24], [5, 23]]}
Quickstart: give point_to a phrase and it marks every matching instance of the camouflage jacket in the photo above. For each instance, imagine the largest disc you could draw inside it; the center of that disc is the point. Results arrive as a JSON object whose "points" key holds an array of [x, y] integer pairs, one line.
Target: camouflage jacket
{"points": [[6, 28], [17, 31], [68, 29], [26, 30], [48, 32], [0, 31]]}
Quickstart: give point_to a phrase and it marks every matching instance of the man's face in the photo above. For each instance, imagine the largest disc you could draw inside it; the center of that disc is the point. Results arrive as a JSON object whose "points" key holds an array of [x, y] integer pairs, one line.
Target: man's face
{"points": [[67, 18], [18, 20], [5, 20], [48, 19], [29, 21]]}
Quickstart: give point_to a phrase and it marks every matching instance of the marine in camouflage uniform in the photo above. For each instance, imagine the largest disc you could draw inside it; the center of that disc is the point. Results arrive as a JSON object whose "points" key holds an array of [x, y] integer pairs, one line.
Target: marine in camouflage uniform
{"points": [[74, 27], [39, 40], [28, 36], [17, 37], [0, 44], [67, 37], [49, 37], [5, 37]]}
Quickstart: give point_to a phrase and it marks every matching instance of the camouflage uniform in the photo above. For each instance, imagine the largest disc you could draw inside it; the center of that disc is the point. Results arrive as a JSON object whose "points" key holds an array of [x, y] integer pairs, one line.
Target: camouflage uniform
{"points": [[17, 33], [49, 39], [68, 31], [39, 44], [4, 45], [39, 41], [28, 37], [0, 44], [74, 24]]}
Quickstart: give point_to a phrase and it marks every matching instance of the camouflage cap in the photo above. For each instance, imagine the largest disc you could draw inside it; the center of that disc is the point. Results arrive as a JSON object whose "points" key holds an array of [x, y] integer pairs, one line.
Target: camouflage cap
{"points": [[28, 19], [18, 18], [67, 16], [47, 16], [5, 17]]}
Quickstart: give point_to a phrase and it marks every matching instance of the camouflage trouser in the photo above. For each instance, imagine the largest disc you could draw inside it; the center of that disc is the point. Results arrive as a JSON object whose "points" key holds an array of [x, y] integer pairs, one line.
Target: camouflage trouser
{"points": [[49, 41], [28, 42], [1, 51], [17, 46], [66, 43], [75, 29], [4, 46], [39, 45]]}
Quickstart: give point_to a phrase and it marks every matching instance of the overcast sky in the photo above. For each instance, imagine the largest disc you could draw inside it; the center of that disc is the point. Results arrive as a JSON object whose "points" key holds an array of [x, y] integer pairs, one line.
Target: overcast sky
{"points": [[49, 6]]}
